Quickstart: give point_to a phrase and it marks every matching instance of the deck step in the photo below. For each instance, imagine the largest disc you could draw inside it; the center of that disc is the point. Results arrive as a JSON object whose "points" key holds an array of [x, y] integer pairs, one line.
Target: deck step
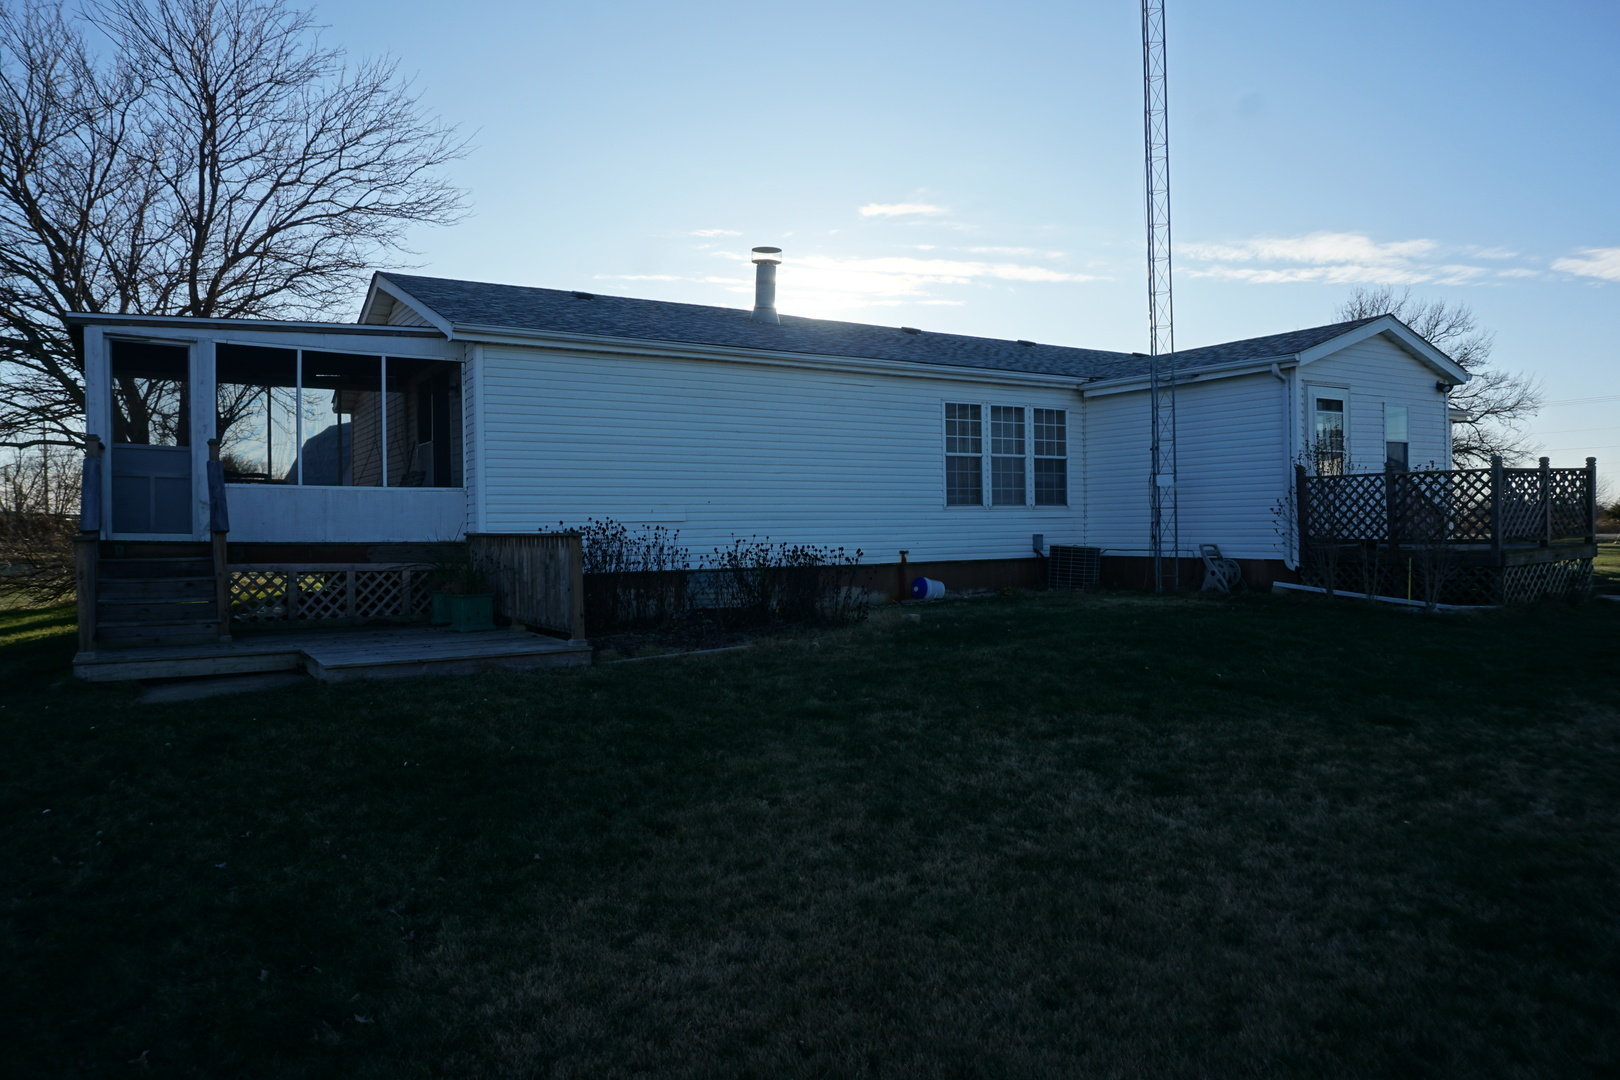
{"points": [[112, 569], [152, 632], [155, 549], [148, 610], [117, 590]]}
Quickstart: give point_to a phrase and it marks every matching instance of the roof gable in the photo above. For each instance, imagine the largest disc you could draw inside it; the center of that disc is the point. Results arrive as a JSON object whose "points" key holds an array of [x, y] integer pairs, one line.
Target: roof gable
{"points": [[1388, 326]]}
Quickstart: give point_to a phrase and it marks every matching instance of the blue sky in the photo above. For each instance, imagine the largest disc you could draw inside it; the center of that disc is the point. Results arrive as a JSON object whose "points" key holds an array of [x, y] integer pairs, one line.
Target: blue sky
{"points": [[976, 168]]}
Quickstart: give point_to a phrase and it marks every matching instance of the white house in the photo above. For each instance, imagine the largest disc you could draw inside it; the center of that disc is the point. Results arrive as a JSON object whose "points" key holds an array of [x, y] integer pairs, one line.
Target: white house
{"points": [[457, 407]]}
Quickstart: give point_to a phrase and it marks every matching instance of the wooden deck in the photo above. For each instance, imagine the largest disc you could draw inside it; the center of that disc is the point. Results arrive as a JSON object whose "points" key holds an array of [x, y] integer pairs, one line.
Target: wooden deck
{"points": [[336, 655]]}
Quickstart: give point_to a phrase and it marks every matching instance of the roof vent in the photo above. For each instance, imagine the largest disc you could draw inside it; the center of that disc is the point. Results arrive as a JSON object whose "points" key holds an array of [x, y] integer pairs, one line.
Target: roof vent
{"points": [[584, 296], [910, 330], [765, 264], [1026, 344]]}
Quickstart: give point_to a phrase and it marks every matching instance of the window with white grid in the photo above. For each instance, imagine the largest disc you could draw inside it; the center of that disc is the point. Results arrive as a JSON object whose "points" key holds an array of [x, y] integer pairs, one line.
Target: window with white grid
{"points": [[1051, 457], [1021, 460], [1007, 447], [964, 455]]}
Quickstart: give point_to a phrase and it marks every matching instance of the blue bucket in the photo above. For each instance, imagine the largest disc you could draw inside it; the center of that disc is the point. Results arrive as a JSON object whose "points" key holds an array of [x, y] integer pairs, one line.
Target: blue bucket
{"points": [[926, 588]]}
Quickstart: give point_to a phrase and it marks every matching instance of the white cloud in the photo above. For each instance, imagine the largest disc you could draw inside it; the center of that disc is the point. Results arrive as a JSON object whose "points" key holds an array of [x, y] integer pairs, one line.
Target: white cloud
{"points": [[1321, 248], [1592, 262], [1002, 251], [1335, 258], [899, 209], [823, 285], [707, 280], [713, 232]]}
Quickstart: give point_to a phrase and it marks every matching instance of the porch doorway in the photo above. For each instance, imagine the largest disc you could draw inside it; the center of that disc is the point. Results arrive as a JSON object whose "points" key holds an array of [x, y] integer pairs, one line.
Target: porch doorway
{"points": [[150, 451]]}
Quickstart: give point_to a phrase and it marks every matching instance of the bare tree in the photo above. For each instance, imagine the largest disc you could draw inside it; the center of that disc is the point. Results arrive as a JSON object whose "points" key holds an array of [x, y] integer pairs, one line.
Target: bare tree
{"points": [[1495, 402], [39, 498], [190, 157]]}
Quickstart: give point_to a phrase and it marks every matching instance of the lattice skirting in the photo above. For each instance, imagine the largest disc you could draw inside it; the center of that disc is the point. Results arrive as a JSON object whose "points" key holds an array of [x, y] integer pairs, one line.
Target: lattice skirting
{"points": [[1441, 580], [349, 591]]}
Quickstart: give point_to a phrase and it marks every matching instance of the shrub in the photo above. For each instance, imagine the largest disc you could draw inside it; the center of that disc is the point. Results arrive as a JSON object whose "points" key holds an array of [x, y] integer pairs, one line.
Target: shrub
{"points": [[644, 579]]}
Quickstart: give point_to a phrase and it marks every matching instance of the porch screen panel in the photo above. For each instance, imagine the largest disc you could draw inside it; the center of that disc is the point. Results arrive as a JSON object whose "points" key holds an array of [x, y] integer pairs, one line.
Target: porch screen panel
{"points": [[424, 423], [341, 409], [151, 403], [256, 421]]}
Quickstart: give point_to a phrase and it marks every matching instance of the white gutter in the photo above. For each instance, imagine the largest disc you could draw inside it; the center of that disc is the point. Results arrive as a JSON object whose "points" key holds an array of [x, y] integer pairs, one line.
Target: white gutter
{"points": [[194, 322], [1132, 383]]}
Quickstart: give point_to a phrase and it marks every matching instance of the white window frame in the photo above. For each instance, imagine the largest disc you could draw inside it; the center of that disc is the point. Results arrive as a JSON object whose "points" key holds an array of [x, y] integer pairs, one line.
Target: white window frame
{"points": [[1406, 423], [1336, 393], [986, 470]]}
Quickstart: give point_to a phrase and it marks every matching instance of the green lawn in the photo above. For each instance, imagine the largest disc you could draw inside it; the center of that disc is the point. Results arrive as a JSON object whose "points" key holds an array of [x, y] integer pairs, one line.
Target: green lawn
{"points": [[1606, 569], [1033, 836]]}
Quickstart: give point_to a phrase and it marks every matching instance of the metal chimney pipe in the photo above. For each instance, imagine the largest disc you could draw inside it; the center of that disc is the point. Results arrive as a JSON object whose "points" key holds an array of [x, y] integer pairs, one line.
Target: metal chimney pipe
{"points": [[765, 264]]}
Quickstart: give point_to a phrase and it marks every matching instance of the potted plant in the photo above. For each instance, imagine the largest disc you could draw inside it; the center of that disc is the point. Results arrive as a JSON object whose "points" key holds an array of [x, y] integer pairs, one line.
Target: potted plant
{"points": [[445, 558], [465, 599]]}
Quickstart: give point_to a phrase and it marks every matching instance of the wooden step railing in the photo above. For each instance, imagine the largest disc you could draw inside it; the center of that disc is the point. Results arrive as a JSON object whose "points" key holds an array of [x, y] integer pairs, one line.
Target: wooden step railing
{"points": [[87, 545], [219, 525]]}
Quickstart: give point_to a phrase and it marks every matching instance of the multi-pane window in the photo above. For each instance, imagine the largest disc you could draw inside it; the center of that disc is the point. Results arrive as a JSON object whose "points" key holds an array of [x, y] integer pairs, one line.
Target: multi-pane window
{"points": [[1327, 446], [1051, 457], [964, 455], [1397, 447], [1027, 456], [1006, 455]]}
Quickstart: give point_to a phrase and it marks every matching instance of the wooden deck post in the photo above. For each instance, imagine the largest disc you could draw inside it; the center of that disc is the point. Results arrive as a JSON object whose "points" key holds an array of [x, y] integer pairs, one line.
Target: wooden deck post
{"points": [[1302, 502], [1545, 478], [219, 526], [1591, 500], [1496, 509]]}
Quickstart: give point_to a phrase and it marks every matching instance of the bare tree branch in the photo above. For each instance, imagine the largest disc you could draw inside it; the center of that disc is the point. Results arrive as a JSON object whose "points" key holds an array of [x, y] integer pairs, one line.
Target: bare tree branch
{"points": [[218, 160], [1495, 403]]}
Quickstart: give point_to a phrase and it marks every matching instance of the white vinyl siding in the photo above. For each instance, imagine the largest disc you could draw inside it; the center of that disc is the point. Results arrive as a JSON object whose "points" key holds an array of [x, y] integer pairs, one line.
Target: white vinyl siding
{"points": [[1377, 372], [721, 450], [1232, 467]]}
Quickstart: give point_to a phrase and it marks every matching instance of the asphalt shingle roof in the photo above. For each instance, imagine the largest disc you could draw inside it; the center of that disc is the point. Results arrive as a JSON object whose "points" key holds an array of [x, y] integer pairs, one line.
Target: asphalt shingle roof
{"points": [[518, 307]]}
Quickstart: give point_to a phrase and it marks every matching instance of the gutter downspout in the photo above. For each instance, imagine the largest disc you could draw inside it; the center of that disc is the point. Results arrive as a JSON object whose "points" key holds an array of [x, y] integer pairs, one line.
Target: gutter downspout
{"points": [[1291, 448]]}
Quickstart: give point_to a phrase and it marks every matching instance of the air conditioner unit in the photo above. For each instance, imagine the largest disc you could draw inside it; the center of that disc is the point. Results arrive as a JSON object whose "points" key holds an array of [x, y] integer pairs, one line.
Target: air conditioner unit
{"points": [[1069, 567]]}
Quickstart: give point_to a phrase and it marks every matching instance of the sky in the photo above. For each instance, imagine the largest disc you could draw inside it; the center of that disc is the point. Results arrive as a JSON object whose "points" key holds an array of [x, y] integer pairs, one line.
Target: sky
{"points": [[976, 168]]}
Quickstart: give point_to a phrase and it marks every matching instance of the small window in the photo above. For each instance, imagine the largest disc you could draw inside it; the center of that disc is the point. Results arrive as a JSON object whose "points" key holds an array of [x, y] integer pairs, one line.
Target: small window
{"points": [[1397, 446], [1006, 455], [1051, 457], [1327, 446], [964, 455]]}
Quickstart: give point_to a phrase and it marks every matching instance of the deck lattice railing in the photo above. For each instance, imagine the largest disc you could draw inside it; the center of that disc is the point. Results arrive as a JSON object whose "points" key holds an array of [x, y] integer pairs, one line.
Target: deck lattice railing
{"points": [[299, 592], [1494, 506]]}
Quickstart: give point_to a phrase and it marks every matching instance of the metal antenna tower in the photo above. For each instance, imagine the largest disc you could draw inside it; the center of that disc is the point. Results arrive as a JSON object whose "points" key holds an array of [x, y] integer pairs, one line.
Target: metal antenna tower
{"points": [[1166, 531]]}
